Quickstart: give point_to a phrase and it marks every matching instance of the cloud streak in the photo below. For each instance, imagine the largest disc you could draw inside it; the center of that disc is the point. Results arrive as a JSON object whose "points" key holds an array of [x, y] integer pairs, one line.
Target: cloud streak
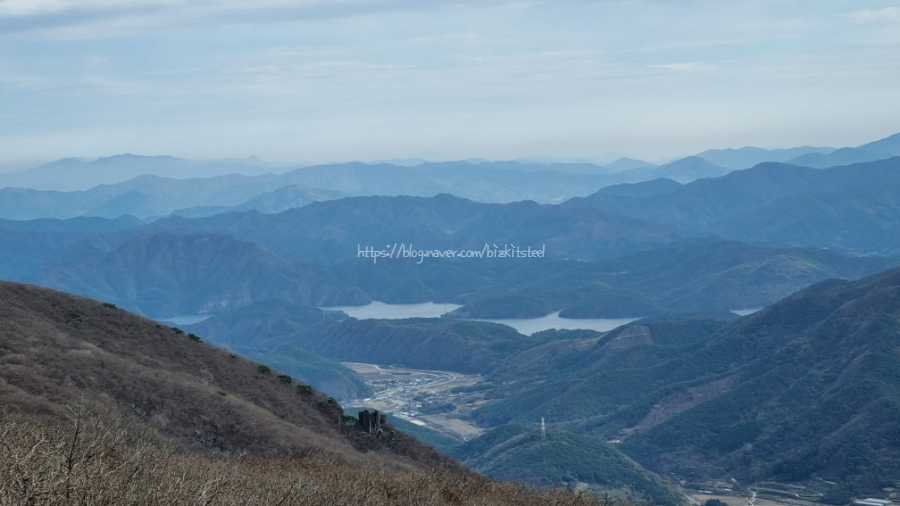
{"points": [[112, 18]]}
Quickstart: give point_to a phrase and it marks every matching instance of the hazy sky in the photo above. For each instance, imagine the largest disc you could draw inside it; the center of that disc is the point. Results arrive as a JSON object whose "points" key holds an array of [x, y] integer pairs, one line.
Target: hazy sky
{"points": [[329, 80]]}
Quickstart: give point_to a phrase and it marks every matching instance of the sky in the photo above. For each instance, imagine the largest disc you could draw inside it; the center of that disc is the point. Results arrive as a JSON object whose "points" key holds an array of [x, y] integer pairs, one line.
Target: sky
{"points": [[337, 80]]}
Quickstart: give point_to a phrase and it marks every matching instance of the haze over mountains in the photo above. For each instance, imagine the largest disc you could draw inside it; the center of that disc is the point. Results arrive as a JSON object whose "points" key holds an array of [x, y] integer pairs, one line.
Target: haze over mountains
{"points": [[801, 390], [308, 247], [746, 157], [876, 150], [111, 187], [73, 174]]}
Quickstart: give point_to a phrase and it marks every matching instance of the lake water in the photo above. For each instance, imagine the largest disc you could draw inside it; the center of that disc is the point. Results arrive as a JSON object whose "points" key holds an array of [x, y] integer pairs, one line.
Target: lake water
{"points": [[526, 326], [381, 311]]}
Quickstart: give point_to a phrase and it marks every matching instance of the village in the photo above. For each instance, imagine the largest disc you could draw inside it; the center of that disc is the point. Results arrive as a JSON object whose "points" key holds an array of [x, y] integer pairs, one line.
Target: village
{"points": [[437, 400]]}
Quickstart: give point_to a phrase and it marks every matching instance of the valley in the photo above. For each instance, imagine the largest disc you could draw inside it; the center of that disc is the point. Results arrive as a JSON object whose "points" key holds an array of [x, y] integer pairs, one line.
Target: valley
{"points": [[436, 400], [633, 340], [396, 253]]}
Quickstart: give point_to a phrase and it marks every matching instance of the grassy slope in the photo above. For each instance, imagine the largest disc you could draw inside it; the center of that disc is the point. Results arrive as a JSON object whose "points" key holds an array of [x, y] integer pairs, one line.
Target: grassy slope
{"points": [[57, 349], [262, 330]]}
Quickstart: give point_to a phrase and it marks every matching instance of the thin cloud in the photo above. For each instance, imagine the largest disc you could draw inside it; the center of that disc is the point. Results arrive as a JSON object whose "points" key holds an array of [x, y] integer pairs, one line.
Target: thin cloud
{"points": [[109, 18], [887, 15], [684, 67]]}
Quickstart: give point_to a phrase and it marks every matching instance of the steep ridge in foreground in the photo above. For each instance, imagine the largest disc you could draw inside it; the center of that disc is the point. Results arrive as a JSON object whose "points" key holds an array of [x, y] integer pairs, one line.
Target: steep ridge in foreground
{"points": [[58, 350], [101, 406]]}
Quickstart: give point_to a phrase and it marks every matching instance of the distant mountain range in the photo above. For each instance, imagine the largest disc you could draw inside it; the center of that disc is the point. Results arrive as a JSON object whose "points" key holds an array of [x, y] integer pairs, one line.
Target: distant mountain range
{"points": [[747, 157], [805, 156], [176, 274], [625, 251], [152, 196], [72, 174], [878, 150], [683, 170], [852, 207], [273, 202], [333, 231], [180, 265], [152, 187]]}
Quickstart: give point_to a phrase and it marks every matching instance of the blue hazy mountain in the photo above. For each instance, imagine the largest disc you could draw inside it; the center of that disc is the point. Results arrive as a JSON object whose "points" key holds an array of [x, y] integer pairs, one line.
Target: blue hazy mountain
{"points": [[275, 201], [626, 163], [878, 150], [655, 187], [853, 207], [330, 232], [683, 170], [71, 174], [152, 196], [744, 158], [164, 275]]}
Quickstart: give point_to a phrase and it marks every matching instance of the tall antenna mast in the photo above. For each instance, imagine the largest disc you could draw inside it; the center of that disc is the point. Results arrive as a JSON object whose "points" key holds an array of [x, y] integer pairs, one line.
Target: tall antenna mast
{"points": [[543, 430]]}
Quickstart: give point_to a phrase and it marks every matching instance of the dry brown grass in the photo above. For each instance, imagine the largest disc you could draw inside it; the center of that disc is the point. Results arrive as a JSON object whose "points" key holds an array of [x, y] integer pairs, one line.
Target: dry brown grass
{"points": [[57, 349], [92, 461], [175, 421]]}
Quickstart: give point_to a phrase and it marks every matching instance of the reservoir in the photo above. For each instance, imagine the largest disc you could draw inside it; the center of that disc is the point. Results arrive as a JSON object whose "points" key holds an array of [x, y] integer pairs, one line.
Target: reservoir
{"points": [[526, 326], [381, 311]]}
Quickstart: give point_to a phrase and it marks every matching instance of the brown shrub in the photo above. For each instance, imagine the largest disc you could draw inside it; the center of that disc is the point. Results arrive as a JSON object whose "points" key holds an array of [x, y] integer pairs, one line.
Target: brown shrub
{"points": [[92, 460]]}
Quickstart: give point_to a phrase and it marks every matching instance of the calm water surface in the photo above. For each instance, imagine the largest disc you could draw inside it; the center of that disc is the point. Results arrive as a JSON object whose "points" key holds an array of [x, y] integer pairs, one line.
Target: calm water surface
{"points": [[381, 311], [526, 326]]}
